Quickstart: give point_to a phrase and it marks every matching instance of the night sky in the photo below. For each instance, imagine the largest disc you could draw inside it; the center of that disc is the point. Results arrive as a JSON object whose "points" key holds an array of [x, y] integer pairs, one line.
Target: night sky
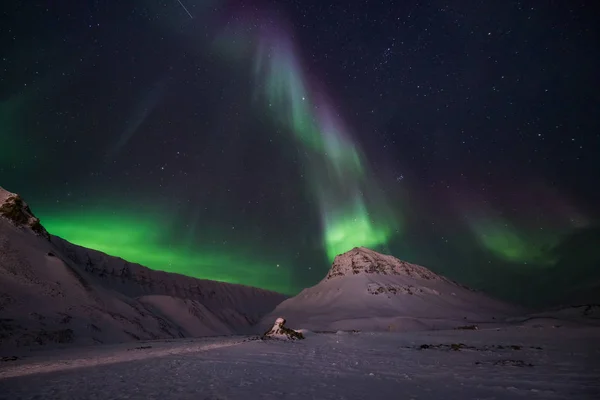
{"points": [[251, 142]]}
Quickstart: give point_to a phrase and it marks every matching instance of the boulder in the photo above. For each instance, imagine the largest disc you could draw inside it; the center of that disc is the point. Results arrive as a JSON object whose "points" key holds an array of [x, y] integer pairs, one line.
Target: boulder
{"points": [[281, 332]]}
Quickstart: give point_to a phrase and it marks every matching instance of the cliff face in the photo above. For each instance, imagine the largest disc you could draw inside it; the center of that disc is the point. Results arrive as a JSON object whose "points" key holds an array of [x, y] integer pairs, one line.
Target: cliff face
{"points": [[134, 280]]}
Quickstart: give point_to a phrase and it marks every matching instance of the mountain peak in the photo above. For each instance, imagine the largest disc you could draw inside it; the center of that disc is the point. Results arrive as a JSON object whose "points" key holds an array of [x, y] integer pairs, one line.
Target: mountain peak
{"points": [[361, 260], [366, 290], [13, 208]]}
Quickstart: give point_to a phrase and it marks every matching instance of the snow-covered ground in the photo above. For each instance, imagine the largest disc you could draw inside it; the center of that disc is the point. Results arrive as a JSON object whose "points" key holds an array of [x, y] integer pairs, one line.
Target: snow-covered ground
{"points": [[512, 362]]}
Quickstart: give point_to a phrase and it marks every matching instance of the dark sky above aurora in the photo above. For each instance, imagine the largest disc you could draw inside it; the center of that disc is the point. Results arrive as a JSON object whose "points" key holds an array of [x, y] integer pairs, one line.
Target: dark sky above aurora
{"points": [[251, 142]]}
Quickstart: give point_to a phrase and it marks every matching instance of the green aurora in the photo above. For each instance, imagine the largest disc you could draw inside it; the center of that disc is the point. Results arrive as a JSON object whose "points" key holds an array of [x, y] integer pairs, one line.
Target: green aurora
{"points": [[508, 243], [348, 205], [143, 239], [352, 208]]}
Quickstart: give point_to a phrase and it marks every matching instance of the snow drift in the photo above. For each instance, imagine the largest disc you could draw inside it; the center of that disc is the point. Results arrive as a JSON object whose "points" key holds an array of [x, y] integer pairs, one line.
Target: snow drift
{"points": [[365, 290], [54, 292]]}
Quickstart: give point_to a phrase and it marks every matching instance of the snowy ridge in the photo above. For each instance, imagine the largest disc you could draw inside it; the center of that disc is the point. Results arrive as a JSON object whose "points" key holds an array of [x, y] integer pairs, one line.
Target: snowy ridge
{"points": [[55, 293], [135, 280]]}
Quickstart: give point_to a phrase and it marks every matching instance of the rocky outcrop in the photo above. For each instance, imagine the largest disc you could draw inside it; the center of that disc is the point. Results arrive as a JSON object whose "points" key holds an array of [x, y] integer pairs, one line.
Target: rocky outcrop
{"points": [[13, 208], [281, 332], [361, 260]]}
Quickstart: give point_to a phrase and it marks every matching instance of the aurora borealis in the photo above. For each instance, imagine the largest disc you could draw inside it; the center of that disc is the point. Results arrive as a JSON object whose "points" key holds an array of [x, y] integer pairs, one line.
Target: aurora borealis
{"points": [[252, 144], [138, 239], [335, 170]]}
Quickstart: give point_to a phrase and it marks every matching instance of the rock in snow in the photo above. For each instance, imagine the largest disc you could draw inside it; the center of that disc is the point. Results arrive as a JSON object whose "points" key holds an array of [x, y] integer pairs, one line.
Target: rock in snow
{"points": [[281, 332], [366, 290], [13, 208], [53, 293]]}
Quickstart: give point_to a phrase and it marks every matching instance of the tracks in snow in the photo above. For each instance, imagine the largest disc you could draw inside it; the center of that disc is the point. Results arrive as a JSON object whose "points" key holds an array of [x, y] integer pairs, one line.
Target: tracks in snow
{"points": [[118, 356]]}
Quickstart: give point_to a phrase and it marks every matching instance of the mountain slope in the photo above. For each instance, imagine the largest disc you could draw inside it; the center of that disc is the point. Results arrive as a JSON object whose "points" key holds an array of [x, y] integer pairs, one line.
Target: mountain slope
{"points": [[371, 291], [52, 291]]}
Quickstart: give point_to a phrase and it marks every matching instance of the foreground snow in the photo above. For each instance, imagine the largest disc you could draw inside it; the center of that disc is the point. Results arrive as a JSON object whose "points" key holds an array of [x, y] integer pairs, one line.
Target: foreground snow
{"points": [[532, 363]]}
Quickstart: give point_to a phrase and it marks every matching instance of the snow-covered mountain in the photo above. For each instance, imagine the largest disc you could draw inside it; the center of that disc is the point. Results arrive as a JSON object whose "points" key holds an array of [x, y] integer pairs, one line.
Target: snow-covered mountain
{"points": [[366, 290], [52, 291]]}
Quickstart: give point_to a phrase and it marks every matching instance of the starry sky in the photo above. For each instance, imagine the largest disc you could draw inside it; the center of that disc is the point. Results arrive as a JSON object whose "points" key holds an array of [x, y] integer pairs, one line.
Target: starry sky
{"points": [[252, 141]]}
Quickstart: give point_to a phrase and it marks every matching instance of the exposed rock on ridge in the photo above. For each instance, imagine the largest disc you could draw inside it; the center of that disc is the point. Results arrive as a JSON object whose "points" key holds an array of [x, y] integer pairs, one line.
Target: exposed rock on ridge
{"points": [[135, 280], [362, 260], [13, 208]]}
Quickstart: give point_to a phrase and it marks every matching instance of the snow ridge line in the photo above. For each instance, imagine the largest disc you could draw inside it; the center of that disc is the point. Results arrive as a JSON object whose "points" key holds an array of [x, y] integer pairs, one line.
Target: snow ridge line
{"points": [[119, 357]]}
